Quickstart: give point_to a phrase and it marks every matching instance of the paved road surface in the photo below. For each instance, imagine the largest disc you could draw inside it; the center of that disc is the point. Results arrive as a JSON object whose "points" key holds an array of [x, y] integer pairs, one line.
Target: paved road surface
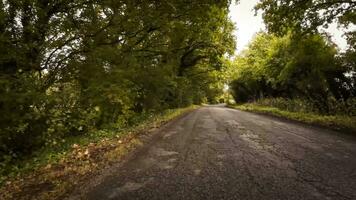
{"points": [[220, 153]]}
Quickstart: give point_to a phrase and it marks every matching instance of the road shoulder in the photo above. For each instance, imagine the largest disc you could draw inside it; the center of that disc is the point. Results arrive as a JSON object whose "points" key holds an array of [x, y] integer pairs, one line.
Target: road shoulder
{"points": [[342, 124], [83, 163]]}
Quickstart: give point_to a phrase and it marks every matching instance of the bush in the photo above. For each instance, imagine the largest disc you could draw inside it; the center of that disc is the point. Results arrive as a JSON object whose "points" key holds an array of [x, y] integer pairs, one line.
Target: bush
{"points": [[334, 106]]}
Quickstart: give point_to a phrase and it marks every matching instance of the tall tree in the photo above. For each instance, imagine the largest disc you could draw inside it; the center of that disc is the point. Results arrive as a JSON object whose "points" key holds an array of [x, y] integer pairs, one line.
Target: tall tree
{"points": [[68, 66]]}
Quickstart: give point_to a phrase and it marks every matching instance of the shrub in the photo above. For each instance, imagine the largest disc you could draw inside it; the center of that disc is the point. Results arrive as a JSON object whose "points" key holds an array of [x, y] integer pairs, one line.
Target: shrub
{"points": [[334, 106]]}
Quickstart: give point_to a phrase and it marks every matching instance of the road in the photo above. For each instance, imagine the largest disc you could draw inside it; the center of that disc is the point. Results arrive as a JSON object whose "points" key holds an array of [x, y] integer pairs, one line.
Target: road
{"points": [[221, 153]]}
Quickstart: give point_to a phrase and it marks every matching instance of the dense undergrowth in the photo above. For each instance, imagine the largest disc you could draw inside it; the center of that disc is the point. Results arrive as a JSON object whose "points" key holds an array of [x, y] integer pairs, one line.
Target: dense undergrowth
{"points": [[303, 111], [336, 107], [73, 158]]}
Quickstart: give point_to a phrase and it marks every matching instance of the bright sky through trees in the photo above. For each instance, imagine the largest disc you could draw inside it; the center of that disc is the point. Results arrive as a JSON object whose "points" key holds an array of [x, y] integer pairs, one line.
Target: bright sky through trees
{"points": [[247, 24]]}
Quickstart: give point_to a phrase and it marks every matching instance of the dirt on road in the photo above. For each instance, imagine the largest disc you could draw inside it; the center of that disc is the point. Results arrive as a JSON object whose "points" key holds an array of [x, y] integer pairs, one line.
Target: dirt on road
{"points": [[221, 153]]}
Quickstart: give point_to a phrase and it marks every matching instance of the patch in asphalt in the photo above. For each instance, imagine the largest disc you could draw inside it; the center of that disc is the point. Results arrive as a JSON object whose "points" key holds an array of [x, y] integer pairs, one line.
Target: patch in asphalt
{"points": [[163, 152], [128, 187]]}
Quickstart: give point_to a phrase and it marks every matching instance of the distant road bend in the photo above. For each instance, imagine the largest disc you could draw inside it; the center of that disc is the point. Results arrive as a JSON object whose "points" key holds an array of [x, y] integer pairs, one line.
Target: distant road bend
{"points": [[221, 153]]}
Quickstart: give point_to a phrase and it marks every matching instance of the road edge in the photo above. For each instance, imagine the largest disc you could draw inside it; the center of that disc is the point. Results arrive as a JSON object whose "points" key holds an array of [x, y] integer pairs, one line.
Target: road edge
{"points": [[59, 180], [339, 129]]}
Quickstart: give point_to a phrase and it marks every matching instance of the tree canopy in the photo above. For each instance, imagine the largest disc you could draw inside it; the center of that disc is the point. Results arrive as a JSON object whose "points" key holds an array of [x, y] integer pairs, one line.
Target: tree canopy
{"points": [[281, 15], [70, 66], [275, 66], [295, 58]]}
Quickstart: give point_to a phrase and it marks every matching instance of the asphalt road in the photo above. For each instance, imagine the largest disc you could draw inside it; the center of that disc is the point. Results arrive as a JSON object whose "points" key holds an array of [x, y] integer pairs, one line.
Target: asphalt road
{"points": [[221, 153]]}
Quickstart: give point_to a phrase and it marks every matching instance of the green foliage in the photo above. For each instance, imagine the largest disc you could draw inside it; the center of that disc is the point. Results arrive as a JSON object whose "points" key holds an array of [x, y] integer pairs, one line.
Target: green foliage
{"points": [[347, 108], [309, 17], [306, 15], [70, 67], [62, 149], [294, 70], [337, 122], [292, 67]]}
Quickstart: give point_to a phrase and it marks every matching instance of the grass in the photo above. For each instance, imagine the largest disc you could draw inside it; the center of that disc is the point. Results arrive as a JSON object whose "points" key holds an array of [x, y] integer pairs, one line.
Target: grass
{"points": [[53, 171], [336, 122]]}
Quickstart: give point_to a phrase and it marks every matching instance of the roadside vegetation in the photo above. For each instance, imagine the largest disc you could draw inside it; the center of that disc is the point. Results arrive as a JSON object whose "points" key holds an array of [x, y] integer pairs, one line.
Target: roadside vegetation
{"points": [[53, 171], [76, 72], [79, 77], [340, 122], [294, 70]]}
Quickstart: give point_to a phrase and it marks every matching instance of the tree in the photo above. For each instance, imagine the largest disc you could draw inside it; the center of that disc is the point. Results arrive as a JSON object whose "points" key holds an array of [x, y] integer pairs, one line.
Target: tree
{"points": [[304, 20], [281, 15], [275, 66], [70, 66]]}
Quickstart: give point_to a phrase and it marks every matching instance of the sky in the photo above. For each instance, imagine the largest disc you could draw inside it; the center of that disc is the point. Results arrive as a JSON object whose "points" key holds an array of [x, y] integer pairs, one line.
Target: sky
{"points": [[248, 24]]}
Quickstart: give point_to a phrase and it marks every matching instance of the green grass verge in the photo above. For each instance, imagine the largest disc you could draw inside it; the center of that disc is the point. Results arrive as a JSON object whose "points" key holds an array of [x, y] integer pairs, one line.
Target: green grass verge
{"points": [[53, 165], [336, 122]]}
